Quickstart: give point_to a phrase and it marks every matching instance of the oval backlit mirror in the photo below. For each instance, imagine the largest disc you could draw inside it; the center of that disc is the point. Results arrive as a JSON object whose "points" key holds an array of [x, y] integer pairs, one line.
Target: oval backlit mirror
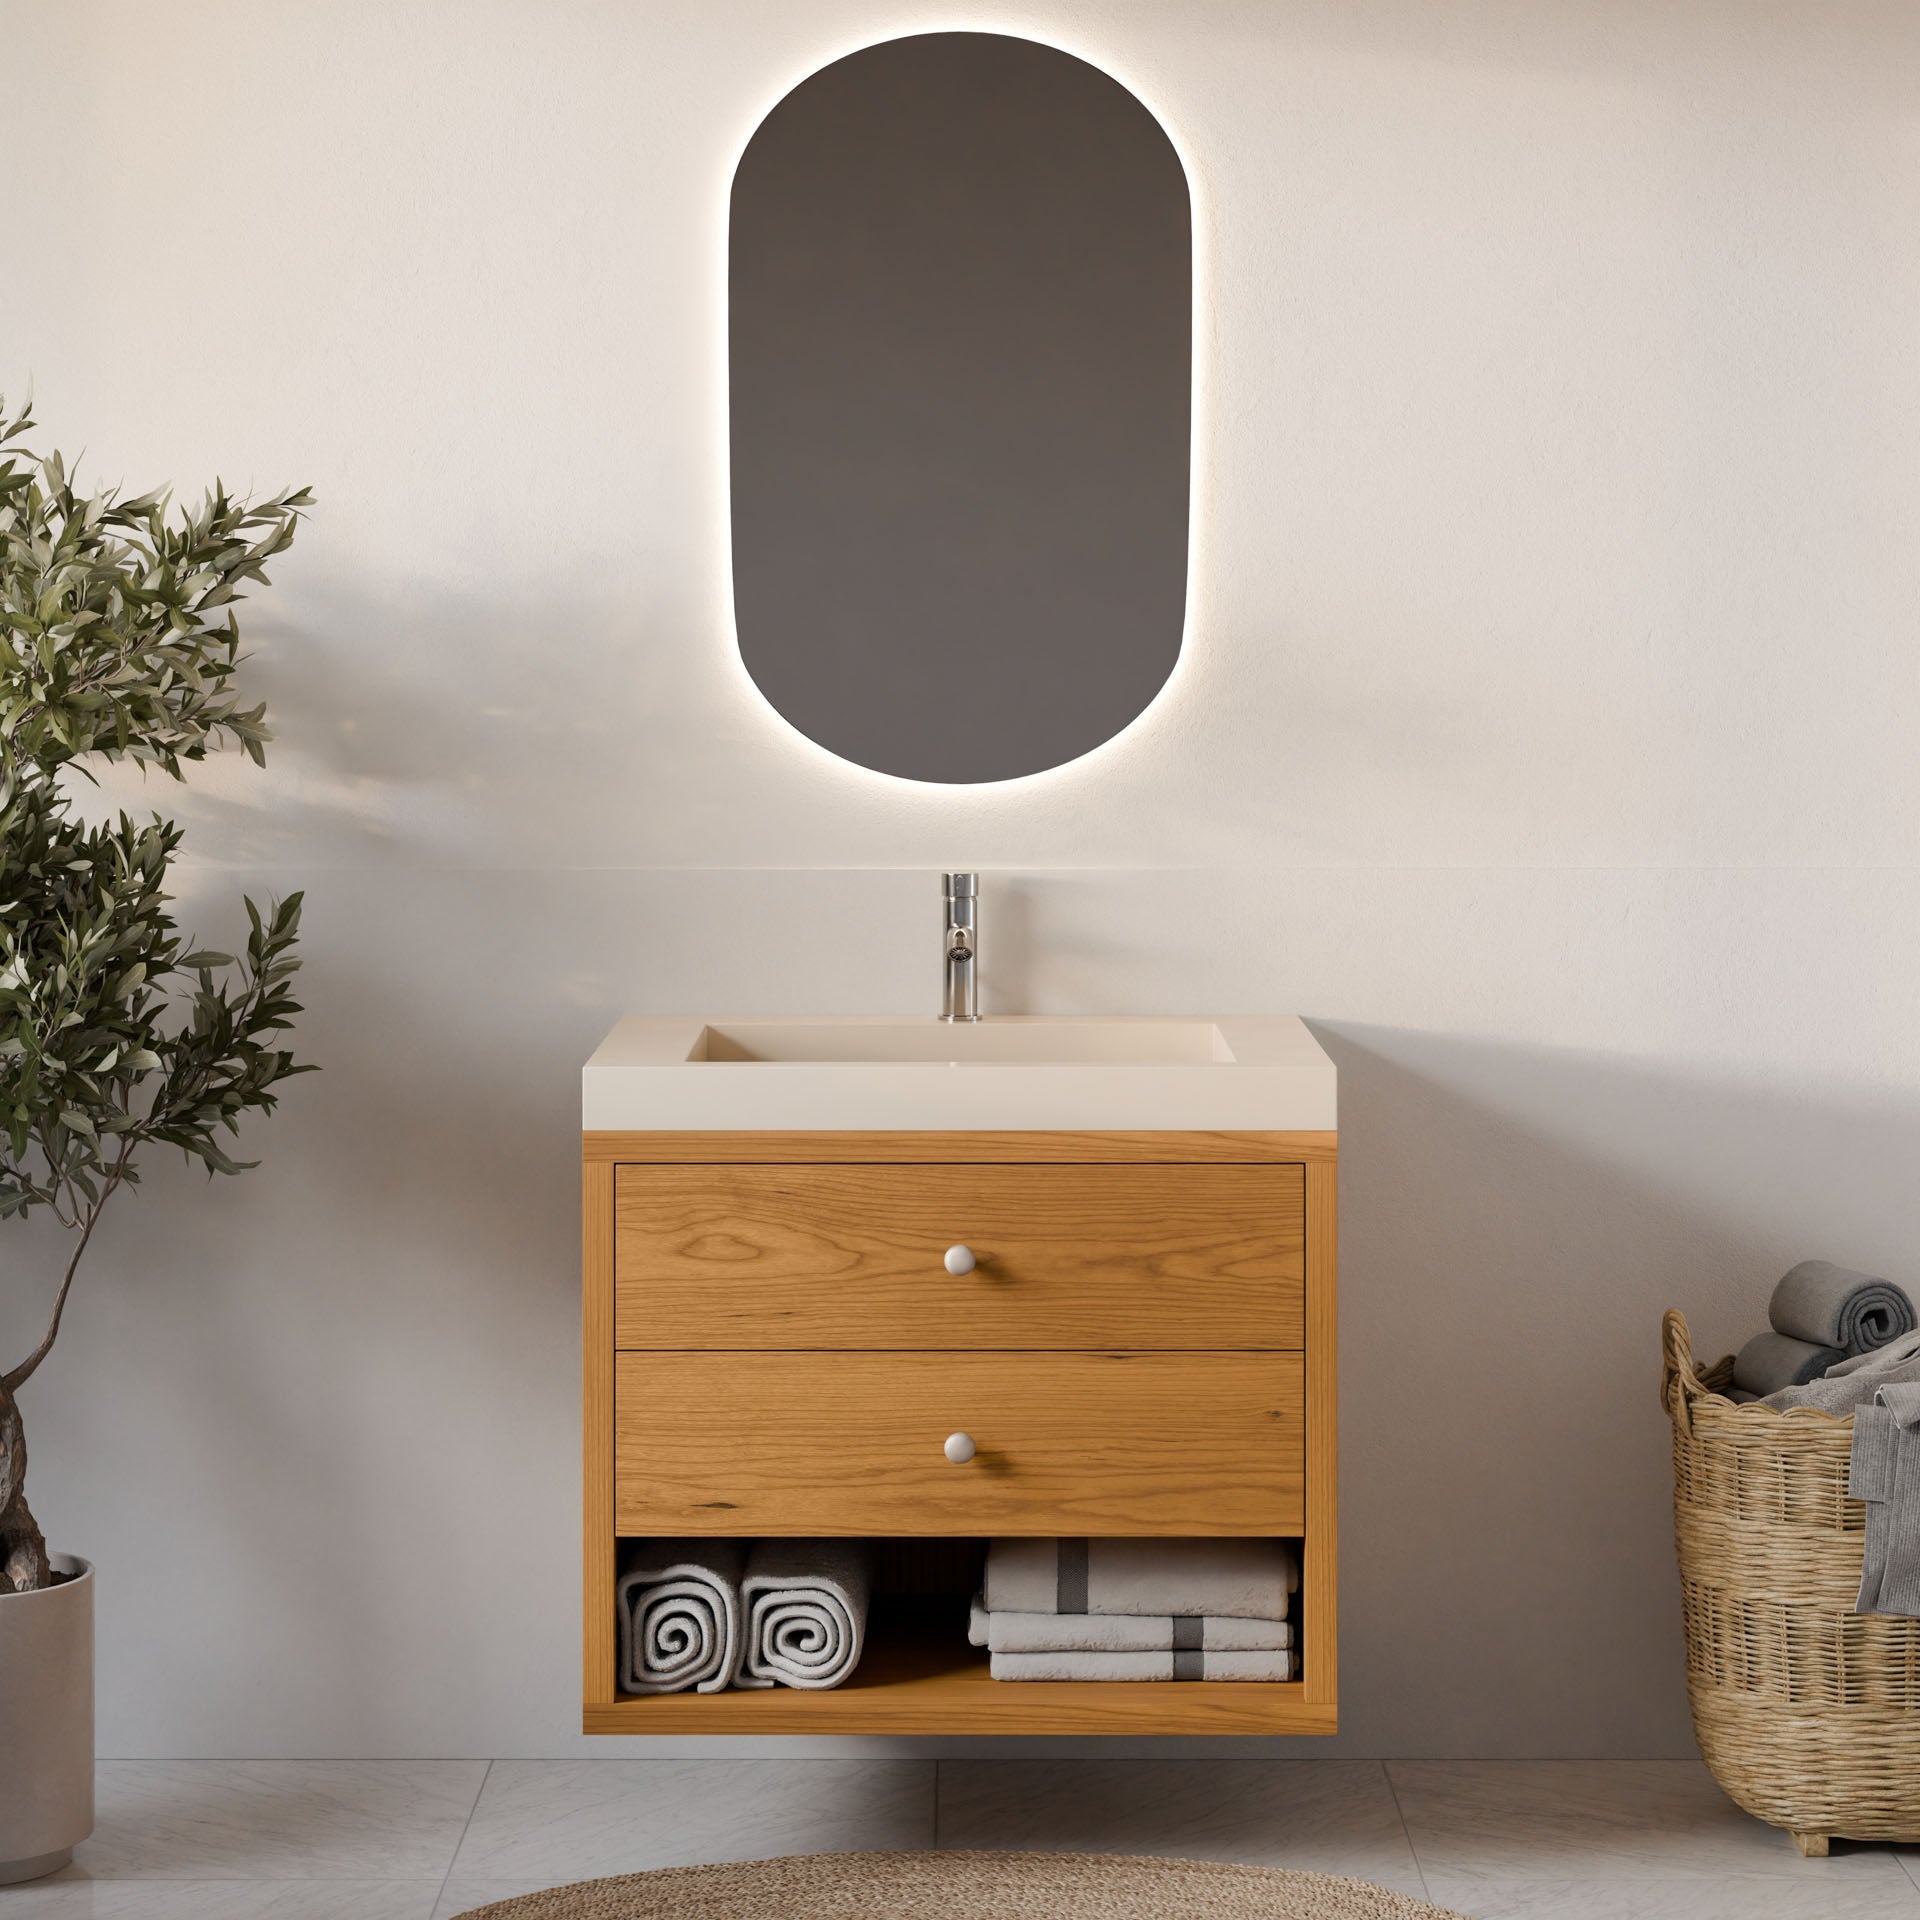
{"points": [[960, 340]]}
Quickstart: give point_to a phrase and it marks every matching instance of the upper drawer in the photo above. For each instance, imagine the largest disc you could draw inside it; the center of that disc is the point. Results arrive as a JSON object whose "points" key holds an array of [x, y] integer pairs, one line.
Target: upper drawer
{"points": [[852, 1256]]}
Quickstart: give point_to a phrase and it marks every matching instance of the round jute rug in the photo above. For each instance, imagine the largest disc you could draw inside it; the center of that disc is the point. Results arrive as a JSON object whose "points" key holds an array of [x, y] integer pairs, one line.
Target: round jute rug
{"points": [[966, 1886]]}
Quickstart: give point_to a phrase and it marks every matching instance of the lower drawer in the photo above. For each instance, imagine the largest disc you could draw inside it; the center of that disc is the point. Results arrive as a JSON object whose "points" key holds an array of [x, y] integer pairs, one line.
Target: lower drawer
{"points": [[852, 1443]]}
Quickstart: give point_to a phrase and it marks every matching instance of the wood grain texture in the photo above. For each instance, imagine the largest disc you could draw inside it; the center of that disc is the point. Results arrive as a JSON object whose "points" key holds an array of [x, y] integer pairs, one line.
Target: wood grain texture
{"points": [[1145, 1257], [596, 1428], [1319, 1555], [1070, 1443], [1037, 1149], [938, 1684]]}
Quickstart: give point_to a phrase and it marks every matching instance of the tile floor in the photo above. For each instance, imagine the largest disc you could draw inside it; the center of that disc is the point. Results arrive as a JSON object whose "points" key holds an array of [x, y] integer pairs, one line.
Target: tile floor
{"points": [[428, 1839]]}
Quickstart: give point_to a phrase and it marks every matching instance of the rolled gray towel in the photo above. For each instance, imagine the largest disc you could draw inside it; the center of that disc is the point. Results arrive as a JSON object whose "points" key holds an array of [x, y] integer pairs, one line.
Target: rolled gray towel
{"points": [[1770, 1361], [806, 1611], [1829, 1306], [678, 1606]]}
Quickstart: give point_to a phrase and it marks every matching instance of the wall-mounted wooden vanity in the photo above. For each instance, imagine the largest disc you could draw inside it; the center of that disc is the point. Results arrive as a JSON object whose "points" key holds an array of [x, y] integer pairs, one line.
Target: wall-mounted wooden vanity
{"points": [[774, 1343]]}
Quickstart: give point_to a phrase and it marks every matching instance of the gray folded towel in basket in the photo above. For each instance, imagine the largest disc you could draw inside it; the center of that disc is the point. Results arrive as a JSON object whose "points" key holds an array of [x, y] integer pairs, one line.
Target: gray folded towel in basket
{"points": [[1829, 1306], [678, 1608], [1884, 1472], [1852, 1383], [806, 1611]]}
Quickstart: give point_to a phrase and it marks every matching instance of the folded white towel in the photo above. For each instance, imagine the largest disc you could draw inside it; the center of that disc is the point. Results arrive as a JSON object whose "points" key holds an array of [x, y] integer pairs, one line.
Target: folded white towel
{"points": [[678, 1608], [1122, 1632], [806, 1611], [1141, 1666], [1245, 1579]]}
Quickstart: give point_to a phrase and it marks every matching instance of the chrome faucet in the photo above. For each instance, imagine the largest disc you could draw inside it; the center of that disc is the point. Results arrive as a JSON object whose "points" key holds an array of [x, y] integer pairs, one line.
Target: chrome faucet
{"points": [[961, 944]]}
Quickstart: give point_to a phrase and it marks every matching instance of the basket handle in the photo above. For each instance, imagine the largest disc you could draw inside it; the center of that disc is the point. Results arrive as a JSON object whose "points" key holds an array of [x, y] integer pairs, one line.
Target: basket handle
{"points": [[1680, 1382]]}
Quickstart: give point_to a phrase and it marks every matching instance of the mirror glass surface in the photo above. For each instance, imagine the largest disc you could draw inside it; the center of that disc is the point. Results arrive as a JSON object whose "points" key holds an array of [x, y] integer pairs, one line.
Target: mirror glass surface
{"points": [[960, 343]]}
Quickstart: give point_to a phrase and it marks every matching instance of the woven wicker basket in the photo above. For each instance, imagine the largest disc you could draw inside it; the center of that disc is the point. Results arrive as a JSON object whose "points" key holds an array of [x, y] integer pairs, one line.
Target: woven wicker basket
{"points": [[1807, 1713]]}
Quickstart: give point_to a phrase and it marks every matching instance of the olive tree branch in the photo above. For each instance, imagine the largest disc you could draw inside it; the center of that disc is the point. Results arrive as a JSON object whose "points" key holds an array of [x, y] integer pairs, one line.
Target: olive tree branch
{"points": [[18, 1377]]}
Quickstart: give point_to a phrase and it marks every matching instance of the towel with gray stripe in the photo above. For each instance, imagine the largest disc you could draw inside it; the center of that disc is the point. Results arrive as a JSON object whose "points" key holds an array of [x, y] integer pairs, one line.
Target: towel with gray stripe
{"points": [[1106, 1609], [1240, 1579], [1820, 1315], [1124, 1632], [1200, 1664]]}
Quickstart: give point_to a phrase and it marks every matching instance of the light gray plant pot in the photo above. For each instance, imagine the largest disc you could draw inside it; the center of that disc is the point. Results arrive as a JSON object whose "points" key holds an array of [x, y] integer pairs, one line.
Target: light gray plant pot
{"points": [[46, 1723]]}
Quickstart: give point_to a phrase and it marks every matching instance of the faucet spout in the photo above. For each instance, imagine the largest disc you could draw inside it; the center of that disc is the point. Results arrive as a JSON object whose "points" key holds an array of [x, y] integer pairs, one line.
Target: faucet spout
{"points": [[960, 943]]}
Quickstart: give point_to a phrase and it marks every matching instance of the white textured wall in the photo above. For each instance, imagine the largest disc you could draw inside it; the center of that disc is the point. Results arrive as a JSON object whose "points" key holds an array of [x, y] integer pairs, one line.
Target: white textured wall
{"points": [[1546, 735]]}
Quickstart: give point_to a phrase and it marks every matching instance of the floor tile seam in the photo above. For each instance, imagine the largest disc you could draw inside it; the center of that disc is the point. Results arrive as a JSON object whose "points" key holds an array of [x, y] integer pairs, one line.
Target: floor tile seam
{"points": [[1419, 1865], [1685, 1864], [1679, 1889], [95, 1878], [466, 1826], [1629, 1865]]}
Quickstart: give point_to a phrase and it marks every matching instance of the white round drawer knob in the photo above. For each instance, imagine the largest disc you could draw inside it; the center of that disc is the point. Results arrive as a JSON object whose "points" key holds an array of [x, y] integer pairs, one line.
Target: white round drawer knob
{"points": [[960, 1260], [959, 1448]]}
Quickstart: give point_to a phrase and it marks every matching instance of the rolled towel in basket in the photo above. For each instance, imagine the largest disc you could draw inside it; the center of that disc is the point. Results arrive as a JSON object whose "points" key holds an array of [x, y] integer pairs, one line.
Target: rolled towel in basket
{"points": [[1123, 1632], [806, 1611], [1770, 1361], [1829, 1306], [1246, 1579], [678, 1609], [1195, 1665]]}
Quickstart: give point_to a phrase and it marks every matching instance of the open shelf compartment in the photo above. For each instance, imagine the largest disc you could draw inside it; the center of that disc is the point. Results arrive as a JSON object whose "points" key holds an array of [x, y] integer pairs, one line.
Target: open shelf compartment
{"points": [[919, 1675]]}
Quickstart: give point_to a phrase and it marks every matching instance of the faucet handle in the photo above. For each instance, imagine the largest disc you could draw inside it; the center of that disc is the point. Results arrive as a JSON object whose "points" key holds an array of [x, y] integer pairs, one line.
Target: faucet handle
{"points": [[959, 886]]}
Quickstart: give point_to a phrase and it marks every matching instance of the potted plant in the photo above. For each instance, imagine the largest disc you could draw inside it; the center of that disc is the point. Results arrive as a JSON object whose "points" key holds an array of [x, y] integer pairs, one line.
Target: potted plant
{"points": [[118, 641]]}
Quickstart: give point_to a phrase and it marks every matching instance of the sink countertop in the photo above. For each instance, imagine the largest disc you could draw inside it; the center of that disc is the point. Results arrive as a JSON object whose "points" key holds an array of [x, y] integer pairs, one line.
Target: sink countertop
{"points": [[1007, 1073]]}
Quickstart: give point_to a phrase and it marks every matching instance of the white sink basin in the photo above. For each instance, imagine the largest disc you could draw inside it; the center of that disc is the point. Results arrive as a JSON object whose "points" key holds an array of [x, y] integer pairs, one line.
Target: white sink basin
{"points": [[1009, 1042], [1256, 1073]]}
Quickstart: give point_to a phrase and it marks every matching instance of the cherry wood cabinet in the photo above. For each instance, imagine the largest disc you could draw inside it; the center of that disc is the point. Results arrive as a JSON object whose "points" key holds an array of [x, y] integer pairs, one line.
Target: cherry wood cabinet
{"points": [[1135, 1330]]}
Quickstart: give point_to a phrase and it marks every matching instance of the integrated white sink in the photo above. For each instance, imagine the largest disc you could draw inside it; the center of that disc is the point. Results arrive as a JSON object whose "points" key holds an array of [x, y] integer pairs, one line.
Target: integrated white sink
{"points": [[1014, 1073]]}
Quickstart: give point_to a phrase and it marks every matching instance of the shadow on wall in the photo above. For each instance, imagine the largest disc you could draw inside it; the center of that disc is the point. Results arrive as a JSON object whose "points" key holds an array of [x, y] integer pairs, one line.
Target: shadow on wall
{"points": [[427, 721], [1514, 1220]]}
